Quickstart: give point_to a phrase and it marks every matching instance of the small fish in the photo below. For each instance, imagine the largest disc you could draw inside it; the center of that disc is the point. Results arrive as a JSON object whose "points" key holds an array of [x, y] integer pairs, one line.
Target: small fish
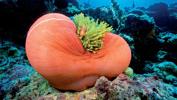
{"points": [[82, 31]]}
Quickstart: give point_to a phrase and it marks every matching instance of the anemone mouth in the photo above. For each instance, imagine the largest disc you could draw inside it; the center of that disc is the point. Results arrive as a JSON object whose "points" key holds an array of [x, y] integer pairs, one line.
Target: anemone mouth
{"points": [[91, 32]]}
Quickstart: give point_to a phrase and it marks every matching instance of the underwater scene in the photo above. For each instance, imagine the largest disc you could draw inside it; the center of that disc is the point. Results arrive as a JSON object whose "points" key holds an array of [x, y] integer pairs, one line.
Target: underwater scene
{"points": [[88, 49]]}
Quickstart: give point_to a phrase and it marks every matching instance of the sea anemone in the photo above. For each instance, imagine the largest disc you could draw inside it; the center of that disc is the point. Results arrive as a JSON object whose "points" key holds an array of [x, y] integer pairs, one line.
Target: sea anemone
{"points": [[72, 56]]}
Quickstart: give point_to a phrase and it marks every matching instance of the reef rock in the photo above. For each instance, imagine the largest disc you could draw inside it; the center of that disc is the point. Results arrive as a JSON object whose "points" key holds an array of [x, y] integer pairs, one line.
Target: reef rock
{"points": [[160, 13], [172, 22], [114, 11], [165, 16], [141, 28], [138, 88], [14, 69], [20, 81], [167, 71], [168, 46], [137, 22]]}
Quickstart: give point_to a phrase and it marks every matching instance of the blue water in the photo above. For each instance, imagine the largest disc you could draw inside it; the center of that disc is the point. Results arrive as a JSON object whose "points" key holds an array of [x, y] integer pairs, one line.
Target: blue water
{"points": [[124, 3]]}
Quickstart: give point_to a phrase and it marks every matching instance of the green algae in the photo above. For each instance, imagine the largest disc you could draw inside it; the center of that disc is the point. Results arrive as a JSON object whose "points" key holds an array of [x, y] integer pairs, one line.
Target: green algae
{"points": [[129, 72]]}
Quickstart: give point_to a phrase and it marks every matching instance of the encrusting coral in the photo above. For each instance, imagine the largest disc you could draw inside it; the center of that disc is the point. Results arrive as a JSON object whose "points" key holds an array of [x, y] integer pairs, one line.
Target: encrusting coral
{"points": [[137, 88]]}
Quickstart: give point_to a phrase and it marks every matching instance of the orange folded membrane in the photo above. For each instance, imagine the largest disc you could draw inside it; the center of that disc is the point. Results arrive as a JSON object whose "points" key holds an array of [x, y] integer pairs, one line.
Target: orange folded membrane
{"points": [[55, 51]]}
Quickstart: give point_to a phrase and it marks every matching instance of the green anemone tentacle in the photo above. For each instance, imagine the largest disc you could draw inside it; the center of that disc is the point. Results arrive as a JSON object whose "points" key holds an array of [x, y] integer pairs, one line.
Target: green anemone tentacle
{"points": [[91, 32]]}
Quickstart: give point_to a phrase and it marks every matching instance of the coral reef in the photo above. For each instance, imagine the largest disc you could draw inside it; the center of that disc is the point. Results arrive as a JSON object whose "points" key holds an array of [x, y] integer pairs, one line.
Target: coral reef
{"points": [[72, 9], [138, 23], [37, 87], [169, 46], [167, 71], [101, 14], [165, 16], [159, 12], [89, 94], [117, 14], [14, 69], [20, 81], [50, 5], [143, 35], [151, 33], [114, 11], [138, 88], [141, 30]]}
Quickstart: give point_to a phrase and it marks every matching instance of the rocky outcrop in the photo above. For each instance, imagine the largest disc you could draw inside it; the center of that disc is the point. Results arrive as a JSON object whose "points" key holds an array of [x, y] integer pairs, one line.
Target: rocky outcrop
{"points": [[138, 88], [165, 16]]}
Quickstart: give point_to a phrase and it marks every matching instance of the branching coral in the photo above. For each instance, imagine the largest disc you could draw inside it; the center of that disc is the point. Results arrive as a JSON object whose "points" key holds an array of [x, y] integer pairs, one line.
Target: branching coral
{"points": [[72, 9], [167, 71], [50, 5], [91, 32], [117, 14]]}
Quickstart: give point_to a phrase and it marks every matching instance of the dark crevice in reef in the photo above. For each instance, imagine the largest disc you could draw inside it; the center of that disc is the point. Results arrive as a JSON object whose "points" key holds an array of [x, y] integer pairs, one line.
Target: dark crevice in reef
{"points": [[18, 15]]}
